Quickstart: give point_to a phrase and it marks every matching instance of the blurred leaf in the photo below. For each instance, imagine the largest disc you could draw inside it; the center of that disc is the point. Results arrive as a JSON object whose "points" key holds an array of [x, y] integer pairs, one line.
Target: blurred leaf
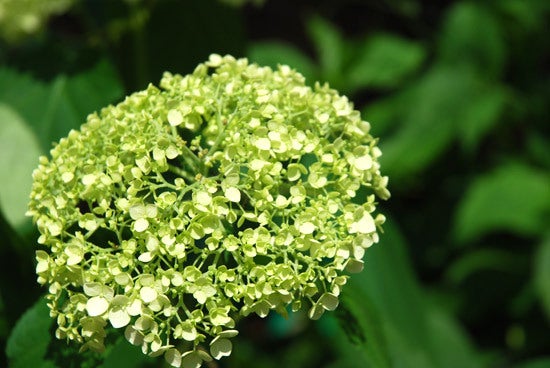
{"points": [[445, 105], [71, 99], [330, 48], [410, 329], [360, 323], [30, 338], [481, 115], [385, 114], [542, 273], [539, 148], [513, 198], [61, 105], [428, 121], [472, 36], [19, 150], [479, 260], [273, 53], [531, 14], [383, 61], [449, 343], [26, 96]]}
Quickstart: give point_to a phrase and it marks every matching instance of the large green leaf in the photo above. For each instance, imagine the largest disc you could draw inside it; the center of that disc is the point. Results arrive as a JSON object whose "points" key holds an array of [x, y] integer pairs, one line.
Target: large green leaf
{"points": [[418, 333], [29, 340], [359, 323], [273, 53], [19, 149], [383, 61], [513, 197]]}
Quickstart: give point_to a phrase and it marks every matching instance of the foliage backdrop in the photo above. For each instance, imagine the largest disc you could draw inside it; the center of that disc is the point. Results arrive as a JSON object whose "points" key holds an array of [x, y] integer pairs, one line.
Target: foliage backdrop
{"points": [[458, 93]]}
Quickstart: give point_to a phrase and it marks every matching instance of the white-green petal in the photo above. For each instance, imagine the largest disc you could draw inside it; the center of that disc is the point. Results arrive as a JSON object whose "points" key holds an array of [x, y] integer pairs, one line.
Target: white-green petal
{"points": [[119, 317], [306, 228], [232, 194], [148, 294], [173, 357], [190, 359], [96, 306], [174, 118], [220, 347], [329, 301], [140, 225]]}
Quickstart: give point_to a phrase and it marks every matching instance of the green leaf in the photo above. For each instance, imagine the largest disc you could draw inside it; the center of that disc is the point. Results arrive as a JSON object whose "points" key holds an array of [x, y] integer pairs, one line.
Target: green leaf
{"points": [[29, 339], [20, 91], [361, 323], [445, 105], [61, 105], [412, 332], [428, 121], [480, 260], [471, 35], [513, 197], [71, 99], [19, 149], [383, 61], [330, 48], [542, 274], [481, 115], [273, 53], [448, 342]]}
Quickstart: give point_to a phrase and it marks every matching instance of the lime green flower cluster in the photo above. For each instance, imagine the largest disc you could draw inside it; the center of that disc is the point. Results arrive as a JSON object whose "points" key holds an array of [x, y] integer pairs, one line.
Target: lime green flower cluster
{"points": [[224, 193], [19, 18]]}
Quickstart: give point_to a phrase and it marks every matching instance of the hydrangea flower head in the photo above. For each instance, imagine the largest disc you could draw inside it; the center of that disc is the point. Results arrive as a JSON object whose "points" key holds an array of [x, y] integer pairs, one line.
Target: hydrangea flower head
{"points": [[230, 191]]}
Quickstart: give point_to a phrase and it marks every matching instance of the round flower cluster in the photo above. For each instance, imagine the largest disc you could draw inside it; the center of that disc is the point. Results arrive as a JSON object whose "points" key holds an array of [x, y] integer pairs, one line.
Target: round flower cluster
{"points": [[19, 18], [226, 192]]}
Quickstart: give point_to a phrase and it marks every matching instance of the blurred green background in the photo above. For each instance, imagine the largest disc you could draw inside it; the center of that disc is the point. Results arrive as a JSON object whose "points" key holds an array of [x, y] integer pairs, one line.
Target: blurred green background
{"points": [[458, 93]]}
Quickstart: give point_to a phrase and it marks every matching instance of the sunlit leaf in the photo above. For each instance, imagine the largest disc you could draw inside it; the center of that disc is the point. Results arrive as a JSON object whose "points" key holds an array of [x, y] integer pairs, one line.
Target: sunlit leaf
{"points": [[19, 150], [513, 198]]}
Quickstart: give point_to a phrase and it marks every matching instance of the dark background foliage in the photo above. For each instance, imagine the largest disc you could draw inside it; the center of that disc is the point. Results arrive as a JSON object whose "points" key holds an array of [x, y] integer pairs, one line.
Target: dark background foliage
{"points": [[457, 91]]}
